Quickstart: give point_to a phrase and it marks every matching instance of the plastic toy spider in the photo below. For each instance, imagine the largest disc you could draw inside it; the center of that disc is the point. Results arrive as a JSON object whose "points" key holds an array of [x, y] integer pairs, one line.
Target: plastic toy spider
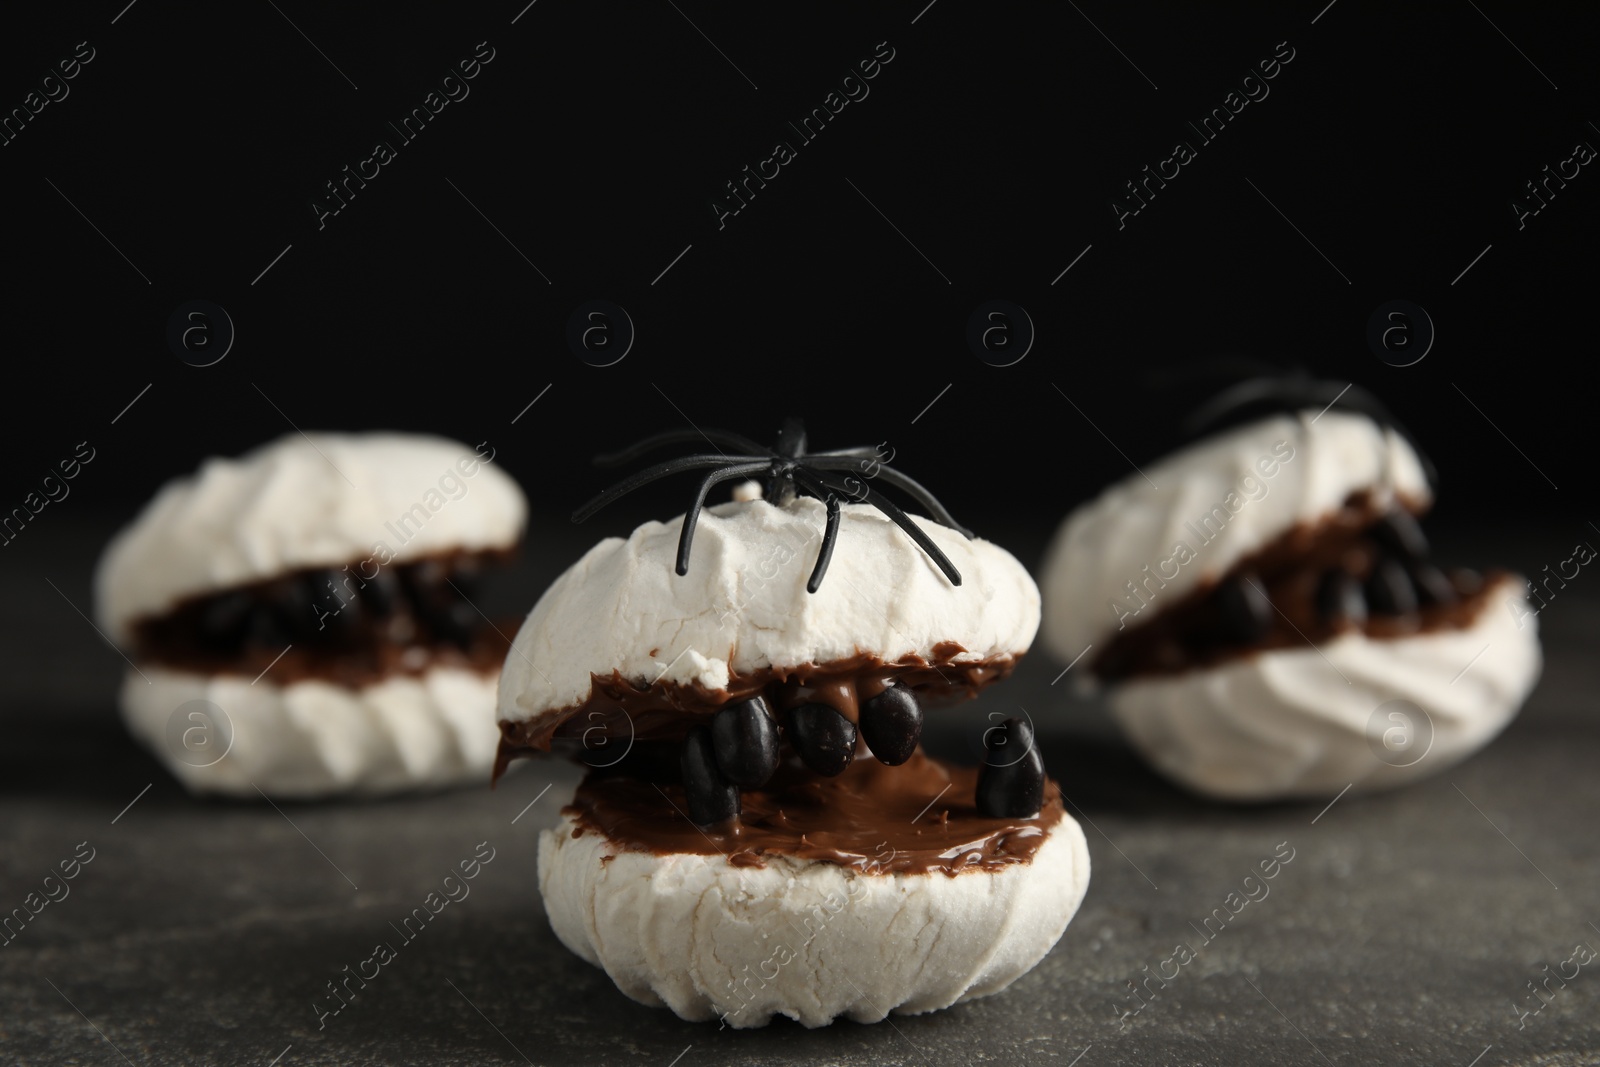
{"points": [[1292, 391], [788, 470]]}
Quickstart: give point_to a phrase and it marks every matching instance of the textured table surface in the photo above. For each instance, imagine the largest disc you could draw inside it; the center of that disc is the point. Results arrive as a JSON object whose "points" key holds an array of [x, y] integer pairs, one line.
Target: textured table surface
{"points": [[1405, 929]]}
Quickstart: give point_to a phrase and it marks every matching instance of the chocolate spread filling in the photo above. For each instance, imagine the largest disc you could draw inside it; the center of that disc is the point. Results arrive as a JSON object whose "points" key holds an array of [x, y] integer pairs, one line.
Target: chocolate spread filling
{"points": [[338, 624], [1197, 631], [916, 818], [618, 712]]}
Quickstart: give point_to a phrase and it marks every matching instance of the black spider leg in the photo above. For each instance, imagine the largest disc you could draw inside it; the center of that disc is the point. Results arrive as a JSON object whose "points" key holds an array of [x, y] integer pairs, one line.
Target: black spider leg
{"points": [[717, 439], [859, 452], [648, 475], [691, 518], [830, 533], [903, 482], [1298, 389], [1287, 388], [902, 520]]}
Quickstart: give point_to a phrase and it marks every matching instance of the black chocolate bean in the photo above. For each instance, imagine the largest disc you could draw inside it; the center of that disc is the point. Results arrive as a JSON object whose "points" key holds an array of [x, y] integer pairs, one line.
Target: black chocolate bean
{"points": [[439, 604], [1399, 532], [825, 740], [290, 602], [223, 619], [431, 585], [1011, 780], [1339, 597], [466, 573], [746, 740], [425, 576], [381, 592], [334, 602], [454, 622], [710, 795], [1389, 589], [1244, 613], [263, 627], [891, 724], [1432, 585]]}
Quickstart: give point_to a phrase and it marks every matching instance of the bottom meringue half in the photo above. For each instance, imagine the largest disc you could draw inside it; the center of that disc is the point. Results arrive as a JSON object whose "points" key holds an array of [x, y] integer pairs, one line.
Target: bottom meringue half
{"points": [[807, 939], [314, 739], [1371, 714]]}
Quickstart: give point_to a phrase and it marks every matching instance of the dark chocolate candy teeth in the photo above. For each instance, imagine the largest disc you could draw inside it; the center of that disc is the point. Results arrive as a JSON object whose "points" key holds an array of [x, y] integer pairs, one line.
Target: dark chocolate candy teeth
{"points": [[311, 602], [768, 724], [891, 724], [1012, 782], [824, 739], [1309, 585], [336, 626], [709, 794], [747, 741], [1259, 602]]}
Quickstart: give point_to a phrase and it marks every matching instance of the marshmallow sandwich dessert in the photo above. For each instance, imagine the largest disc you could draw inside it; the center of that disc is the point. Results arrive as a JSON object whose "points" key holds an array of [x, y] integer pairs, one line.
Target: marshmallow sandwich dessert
{"points": [[760, 832], [300, 618], [1264, 613]]}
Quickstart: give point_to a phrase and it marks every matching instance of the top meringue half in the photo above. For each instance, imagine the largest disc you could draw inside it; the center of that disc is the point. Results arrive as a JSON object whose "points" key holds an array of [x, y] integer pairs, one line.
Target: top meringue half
{"points": [[743, 605], [1190, 517]]}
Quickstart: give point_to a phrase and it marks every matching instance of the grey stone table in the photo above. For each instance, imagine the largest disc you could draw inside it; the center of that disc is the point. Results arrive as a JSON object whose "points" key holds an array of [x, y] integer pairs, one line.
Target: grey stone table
{"points": [[1405, 930]]}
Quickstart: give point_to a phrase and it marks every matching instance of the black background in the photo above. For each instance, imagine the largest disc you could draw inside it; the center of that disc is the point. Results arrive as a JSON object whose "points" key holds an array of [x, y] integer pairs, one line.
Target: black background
{"points": [[592, 145], [595, 141]]}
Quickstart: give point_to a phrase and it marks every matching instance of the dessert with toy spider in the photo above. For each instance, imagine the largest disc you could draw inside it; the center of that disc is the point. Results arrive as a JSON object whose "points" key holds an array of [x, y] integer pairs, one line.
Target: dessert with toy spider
{"points": [[1264, 611], [761, 832]]}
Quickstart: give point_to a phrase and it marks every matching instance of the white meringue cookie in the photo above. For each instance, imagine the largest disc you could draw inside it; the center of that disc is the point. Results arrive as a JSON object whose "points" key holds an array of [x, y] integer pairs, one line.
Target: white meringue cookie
{"points": [[700, 935], [743, 605], [313, 738], [804, 938], [1107, 543], [313, 500], [1307, 722], [1295, 722]]}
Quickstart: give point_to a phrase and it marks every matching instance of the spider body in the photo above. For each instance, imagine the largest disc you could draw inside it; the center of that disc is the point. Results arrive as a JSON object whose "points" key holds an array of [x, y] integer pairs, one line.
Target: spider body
{"points": [[788, 470]]}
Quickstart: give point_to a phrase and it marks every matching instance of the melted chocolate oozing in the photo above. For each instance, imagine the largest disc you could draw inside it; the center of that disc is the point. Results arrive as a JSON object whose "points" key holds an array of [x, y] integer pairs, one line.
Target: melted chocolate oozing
{"points": [[869, 817], [1293, 571], [911, 819], [408, 619]]}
